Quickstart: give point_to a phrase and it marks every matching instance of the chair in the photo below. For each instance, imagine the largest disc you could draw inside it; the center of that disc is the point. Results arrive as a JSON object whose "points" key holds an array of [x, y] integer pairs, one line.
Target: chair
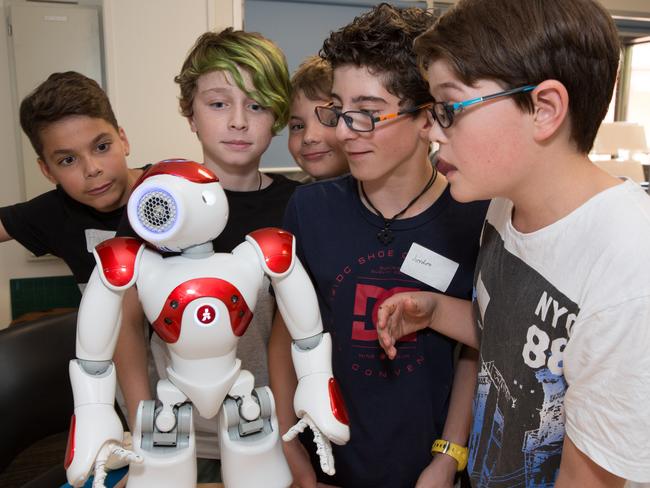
{"points": [[36, 398]]}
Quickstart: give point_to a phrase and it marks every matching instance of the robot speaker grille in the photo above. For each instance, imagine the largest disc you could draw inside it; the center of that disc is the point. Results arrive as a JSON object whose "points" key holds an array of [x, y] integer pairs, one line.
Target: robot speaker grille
{"points": [[157, 211]]}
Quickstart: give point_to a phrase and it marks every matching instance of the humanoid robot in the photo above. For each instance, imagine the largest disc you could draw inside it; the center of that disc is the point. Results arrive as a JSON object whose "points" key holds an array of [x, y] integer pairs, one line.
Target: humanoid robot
{"points": [[200, 303]]}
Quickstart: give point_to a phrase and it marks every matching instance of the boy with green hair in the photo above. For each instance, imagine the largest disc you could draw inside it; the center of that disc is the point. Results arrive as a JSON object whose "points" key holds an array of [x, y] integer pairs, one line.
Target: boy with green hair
{"points": [[234, 92], [561, 309]]}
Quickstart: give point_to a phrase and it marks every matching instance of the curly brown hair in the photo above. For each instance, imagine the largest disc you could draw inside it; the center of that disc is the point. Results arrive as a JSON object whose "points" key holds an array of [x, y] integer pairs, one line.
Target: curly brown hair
{"points": [[63, 95], [382, 41]]}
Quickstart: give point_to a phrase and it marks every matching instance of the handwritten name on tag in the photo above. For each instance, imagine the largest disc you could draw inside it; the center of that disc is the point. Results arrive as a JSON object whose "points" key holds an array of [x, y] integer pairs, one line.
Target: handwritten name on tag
{"points": [[429, 267]]}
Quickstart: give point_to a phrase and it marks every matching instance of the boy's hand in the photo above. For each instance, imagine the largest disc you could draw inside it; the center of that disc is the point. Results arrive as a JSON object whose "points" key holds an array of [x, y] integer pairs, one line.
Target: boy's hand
{"points": [[440, 473], [403, 314]]}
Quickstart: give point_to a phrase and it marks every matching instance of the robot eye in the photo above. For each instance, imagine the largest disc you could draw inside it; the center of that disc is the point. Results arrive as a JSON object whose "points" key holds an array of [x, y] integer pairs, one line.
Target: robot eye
{"points": [[209, 197]]}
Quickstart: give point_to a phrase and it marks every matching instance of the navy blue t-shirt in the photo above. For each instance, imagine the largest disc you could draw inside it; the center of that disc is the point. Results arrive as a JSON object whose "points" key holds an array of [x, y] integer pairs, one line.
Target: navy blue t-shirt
{"points": [[396, 408]]}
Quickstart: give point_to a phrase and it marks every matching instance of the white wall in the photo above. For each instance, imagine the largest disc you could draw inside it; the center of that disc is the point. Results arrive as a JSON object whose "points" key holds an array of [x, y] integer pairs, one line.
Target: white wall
{"points": [[13, 258], [145, 43]]}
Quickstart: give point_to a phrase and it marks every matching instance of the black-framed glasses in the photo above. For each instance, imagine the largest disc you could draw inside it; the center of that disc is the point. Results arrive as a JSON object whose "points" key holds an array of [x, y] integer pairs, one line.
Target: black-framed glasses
{"points": [[358, 120], [444, 112]]}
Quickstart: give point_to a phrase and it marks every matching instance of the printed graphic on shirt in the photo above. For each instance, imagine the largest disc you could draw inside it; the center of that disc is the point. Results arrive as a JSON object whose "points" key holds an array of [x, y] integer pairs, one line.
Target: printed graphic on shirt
{"points": [[518, 429], [374, 278]]}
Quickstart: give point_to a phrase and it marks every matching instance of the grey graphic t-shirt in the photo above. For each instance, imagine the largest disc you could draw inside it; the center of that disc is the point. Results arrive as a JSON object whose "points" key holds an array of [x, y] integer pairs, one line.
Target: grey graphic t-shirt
{"points": [[564, 319]]}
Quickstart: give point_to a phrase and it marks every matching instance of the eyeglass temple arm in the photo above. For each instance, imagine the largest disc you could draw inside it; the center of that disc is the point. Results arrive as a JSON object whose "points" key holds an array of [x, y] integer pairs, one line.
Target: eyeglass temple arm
{"points": [[467, 103], [379, 118]]}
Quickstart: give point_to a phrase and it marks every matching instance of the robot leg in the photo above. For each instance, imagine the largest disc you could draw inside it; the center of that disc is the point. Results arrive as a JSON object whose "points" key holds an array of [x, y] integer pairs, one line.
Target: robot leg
{"points": [[251, 452], [169, 456]]}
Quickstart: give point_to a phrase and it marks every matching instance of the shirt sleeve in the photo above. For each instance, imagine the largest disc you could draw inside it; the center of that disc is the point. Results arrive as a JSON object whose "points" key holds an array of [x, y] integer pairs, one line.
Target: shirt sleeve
{"points": [[607, 403], [30, 224]]}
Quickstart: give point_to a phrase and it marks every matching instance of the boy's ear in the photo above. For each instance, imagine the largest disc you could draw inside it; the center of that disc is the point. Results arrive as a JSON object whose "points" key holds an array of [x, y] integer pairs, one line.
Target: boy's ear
{"points": [[46, 171], [551, 108], [125, 141], [190, 120]]}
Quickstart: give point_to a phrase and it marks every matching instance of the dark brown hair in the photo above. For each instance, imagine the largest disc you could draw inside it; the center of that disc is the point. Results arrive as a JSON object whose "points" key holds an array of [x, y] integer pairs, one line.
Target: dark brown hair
{"points": [[382, 40], [314, 78], [63, 95], [521, 42]]}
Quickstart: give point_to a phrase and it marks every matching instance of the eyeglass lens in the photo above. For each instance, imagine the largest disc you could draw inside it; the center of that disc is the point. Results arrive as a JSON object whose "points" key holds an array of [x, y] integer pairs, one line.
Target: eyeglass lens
{"points": [[438, 113], [355, 120]]}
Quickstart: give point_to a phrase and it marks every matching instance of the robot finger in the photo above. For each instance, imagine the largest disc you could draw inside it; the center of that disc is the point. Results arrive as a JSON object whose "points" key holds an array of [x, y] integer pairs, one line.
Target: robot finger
{"points": [[291, 434], [323, 449]]}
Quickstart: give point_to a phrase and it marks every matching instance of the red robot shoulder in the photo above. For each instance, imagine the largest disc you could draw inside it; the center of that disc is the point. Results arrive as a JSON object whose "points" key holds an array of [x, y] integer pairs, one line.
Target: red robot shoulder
{"points": [[117, 261], [276, 249]]}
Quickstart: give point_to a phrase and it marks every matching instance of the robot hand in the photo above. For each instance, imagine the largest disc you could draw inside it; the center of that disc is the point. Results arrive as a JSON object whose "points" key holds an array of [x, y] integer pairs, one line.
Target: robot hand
{"points": [[95, 422], [323, 445], [94, 428], [318, 401], [114, 455]]}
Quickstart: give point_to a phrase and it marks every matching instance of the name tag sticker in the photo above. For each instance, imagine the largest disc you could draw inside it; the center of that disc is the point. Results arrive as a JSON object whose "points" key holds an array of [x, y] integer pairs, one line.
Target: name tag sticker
{"points": [[429, 267]]}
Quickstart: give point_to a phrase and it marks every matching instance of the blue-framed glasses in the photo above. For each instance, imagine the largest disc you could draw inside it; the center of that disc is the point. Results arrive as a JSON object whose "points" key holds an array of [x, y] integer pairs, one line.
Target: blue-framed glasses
{"points": [[444, 112]]}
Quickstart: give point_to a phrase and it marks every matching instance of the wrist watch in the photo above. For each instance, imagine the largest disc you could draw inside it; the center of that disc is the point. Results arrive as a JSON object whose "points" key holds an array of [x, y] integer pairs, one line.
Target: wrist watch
{"points": [[459, 453]]}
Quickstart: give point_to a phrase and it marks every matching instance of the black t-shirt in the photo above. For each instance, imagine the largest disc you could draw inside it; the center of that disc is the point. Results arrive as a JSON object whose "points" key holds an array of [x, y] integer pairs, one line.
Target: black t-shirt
{"points": [[55, 223], [247, 211], [252, 210]]}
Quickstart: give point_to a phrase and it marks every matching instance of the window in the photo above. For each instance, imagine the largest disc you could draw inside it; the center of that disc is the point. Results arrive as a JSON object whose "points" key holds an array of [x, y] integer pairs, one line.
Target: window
{"points": [[638, 105]]}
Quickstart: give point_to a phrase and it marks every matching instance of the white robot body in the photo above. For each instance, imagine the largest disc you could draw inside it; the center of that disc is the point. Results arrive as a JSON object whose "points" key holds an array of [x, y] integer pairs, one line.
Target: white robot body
{"points": [[199, 303]]}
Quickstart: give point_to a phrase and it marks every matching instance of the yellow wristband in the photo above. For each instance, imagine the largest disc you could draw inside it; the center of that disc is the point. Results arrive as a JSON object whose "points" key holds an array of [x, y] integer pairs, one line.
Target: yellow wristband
{"points": [[459, 453]]}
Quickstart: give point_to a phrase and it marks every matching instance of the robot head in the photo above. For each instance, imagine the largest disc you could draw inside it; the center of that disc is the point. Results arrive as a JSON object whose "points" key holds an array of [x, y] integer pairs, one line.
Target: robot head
{"points": [[177, 204]]}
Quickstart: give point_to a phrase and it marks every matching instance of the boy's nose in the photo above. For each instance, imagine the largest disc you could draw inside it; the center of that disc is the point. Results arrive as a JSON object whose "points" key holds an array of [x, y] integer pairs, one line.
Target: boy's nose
{"points": [[238, 119], [436, 133], [92, 167], [343, 132], [313, 134]]}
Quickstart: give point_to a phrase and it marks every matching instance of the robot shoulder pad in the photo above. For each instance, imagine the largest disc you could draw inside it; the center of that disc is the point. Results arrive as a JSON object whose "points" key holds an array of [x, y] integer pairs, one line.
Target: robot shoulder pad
{"points": [[117, 261], [276, 250]]}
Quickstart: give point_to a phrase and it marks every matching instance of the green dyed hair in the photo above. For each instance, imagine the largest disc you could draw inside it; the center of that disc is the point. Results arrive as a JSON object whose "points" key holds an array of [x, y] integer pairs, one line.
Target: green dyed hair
{"points": [[231, 50]]}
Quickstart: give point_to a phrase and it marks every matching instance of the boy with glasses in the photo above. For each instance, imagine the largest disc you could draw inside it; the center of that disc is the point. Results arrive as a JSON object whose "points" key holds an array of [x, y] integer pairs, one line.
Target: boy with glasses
{"points": [[389, 226], [561, 307]]}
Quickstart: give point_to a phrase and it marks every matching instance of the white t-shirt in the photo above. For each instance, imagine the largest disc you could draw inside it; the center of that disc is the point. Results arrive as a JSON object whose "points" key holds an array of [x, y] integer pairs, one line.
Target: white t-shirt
{"points": [[564, 314]]}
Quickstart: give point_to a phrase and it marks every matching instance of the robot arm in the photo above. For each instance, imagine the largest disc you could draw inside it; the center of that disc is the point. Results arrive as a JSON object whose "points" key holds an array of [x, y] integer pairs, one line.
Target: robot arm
{"points": [[92, 375], [318, 401]]}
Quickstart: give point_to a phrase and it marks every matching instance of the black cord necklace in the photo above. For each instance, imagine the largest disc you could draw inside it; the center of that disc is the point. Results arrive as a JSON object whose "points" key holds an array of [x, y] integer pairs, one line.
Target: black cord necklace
{"points": [[385, 235], [260, 185]]}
